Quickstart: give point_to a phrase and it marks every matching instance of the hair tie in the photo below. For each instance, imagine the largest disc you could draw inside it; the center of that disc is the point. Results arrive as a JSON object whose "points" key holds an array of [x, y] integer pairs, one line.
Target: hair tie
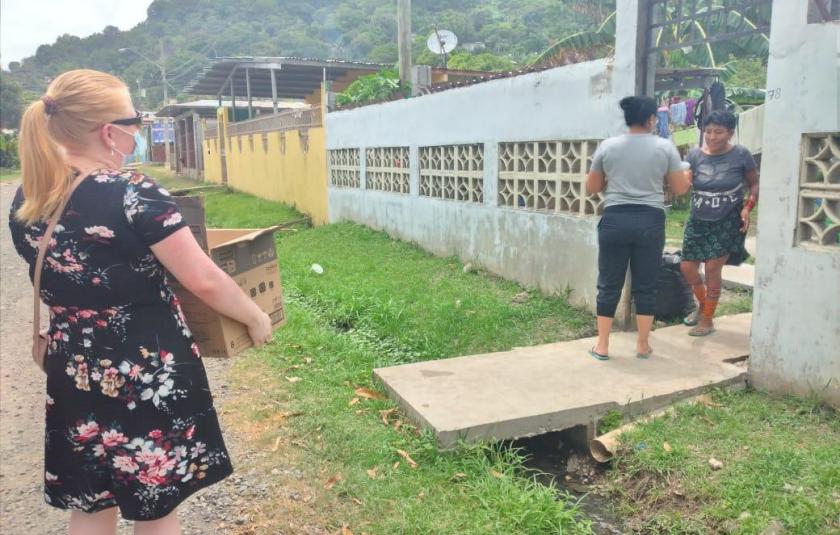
{"points": [[50, 107]]}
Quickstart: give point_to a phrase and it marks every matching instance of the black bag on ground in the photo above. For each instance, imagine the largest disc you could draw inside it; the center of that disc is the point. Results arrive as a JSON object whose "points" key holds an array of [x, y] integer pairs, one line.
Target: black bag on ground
{"points": [[674, 298]]}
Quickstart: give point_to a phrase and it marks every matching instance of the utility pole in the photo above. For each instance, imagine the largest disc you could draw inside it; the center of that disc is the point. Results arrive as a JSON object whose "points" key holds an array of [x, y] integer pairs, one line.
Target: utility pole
{"points": [[165, 103], [404, 38]]}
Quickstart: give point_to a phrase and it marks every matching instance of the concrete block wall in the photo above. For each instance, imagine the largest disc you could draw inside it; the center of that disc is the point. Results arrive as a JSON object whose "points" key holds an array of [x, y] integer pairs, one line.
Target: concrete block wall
{"points": [[552, 251], [796, 311]]}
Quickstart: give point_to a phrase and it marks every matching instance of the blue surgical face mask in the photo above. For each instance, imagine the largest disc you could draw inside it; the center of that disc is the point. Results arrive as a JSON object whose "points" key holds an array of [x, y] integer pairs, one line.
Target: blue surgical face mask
{"points": [[139, 151]]}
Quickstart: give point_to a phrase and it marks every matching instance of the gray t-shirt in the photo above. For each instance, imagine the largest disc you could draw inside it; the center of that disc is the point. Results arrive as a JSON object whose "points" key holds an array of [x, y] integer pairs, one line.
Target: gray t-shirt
{"points": [[635, 166], [718, 183]]}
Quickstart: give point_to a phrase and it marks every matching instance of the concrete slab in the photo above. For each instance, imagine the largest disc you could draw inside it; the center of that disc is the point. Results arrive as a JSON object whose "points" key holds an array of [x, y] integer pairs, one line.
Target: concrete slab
{"points": [[535, 390], [738, 277]]}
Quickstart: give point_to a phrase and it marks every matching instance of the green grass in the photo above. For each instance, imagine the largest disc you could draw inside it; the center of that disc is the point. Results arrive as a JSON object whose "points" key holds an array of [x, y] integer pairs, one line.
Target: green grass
{"points": [[781, 461], [8, 175], [470, 490], [734, 301], [228, 209], [168, 179], [426, 306], [225, 208], [675, 220], [382, 302]]}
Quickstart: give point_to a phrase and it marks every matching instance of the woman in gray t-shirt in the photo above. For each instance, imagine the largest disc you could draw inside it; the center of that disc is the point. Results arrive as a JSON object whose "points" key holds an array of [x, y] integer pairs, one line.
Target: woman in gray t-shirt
{"points": [[720, 218], [630, 170]]}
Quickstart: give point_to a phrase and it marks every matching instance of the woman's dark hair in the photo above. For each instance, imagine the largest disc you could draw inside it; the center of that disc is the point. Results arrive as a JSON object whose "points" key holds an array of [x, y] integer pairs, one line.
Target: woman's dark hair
{"points": [[722, 118], [637, 110]]}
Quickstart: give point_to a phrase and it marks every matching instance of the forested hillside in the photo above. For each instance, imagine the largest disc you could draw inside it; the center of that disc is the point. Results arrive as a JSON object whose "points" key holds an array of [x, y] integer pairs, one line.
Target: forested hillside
{"points": [[500, 34]]}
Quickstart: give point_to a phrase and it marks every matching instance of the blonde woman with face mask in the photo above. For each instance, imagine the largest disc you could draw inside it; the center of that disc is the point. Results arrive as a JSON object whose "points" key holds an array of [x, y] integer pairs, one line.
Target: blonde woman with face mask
{"points": [[130, 423]]}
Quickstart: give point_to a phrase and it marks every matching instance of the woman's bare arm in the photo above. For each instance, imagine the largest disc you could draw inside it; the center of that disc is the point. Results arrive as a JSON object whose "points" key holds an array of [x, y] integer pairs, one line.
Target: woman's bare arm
{"points": [[596, 182], [184, 258]]}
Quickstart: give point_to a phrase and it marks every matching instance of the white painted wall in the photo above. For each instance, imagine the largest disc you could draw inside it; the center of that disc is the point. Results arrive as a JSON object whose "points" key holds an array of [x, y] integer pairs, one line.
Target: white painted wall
{"points": [[796, 320], [550, 251]]}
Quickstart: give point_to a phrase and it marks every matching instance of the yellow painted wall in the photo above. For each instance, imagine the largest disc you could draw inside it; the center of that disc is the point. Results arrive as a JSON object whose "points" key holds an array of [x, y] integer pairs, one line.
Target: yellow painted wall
{"points": [[293, 176], [213, 150], [212, 161]]}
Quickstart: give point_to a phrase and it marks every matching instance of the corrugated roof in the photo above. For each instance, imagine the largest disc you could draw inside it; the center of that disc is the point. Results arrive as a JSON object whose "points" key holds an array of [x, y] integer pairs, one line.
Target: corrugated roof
{"points": [[207, 107], [294, 77]]}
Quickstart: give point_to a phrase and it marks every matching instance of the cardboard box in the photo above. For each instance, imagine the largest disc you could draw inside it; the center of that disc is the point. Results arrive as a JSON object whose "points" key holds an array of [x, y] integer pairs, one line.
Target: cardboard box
{"points": [[192, 208], [249, 256]]}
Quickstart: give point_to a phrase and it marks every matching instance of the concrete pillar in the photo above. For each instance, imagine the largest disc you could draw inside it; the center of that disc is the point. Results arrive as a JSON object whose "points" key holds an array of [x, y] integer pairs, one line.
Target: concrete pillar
{"points": [[629, 41], [413, 170], [796, 311], [362, 168], [630, 61], [491, 173]]}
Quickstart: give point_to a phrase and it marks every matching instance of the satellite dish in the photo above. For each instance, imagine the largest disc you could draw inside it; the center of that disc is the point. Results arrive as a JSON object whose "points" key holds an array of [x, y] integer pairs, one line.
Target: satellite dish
{"points": [[442, 42]]}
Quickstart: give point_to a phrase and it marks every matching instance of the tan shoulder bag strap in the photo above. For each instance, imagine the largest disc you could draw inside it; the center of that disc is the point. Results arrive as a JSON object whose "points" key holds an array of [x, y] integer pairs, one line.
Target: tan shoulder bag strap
{"points": [[42, 252]]}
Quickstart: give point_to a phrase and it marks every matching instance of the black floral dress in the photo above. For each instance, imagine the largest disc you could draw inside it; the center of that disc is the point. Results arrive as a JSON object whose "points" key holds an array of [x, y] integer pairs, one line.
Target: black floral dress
{"points": [[129, 416]]}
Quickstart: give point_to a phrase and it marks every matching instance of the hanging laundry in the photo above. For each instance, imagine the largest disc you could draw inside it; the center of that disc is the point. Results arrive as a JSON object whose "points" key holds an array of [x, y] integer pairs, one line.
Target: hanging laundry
{"points": [[718, 94], [662, 120], [678, 113], [689, 111]]}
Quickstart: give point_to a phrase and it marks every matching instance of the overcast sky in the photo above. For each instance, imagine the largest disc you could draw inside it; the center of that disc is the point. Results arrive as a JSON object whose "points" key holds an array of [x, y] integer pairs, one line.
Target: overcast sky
{"points": [[26, 24]]}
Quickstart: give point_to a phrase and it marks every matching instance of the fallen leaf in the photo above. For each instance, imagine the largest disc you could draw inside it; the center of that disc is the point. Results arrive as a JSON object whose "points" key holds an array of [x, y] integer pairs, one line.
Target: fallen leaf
{"points": [[384, 415], [276, 445], [331, 482], [308, 360], [459, 475], [707, 400], [356, 501], [293, 379], [396, 465], [354, 401], [497, 474], [715, 464], [368, 393], [422, 494], [407, 457], [397, 425], [372, 473], [344, 531], [521, 297], [667, 447]]}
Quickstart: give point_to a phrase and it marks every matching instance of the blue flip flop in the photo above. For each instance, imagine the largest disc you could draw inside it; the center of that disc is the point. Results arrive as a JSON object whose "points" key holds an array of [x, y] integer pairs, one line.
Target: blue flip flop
{"points": [[597, 356], [644, 356]]}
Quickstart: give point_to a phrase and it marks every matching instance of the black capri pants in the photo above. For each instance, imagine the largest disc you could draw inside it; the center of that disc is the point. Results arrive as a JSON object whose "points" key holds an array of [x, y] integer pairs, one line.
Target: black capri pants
{"points": [[631, 234]]}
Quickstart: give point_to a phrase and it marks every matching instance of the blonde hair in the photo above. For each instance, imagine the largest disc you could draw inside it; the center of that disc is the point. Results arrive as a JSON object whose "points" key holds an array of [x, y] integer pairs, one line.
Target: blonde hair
{"points": [[75, 104]]}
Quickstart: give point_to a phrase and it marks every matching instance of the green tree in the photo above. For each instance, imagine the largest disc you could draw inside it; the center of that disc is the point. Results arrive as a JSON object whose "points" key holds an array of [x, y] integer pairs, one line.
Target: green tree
{"points": [[746, 72], [198, 30], [600, 40], [11, 103], [373, 87], [480, 62]]}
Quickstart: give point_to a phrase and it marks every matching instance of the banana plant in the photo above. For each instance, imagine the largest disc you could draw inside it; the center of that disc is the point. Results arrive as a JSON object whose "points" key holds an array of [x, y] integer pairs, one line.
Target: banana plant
{"points": [[602, 38]]}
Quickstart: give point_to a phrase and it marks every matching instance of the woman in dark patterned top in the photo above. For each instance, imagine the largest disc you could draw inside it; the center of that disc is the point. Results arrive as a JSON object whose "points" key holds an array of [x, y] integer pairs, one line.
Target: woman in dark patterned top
{"points": [[130, 422], [720, 217]]}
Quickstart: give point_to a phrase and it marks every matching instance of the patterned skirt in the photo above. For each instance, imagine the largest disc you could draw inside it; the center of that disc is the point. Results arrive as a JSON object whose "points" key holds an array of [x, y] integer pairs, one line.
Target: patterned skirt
{"points": [[706, 240]]}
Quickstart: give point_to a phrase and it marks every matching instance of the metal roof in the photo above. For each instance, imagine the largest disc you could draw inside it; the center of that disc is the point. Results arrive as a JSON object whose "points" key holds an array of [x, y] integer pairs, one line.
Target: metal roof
{"points": [[294, 77], [207, 108]]}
